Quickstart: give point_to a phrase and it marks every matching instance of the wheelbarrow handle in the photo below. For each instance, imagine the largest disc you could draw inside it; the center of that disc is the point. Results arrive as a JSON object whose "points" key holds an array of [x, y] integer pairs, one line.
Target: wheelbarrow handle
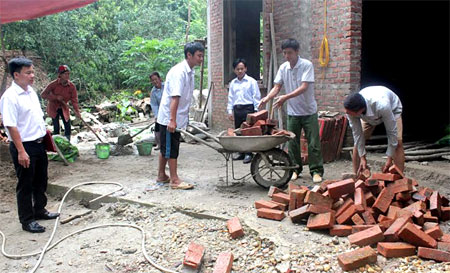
{"points": [[206, 133], [197, 139]]}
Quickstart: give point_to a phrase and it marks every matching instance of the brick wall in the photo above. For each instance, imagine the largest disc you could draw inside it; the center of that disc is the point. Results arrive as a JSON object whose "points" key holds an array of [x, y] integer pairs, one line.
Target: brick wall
{"points": [[302, 20]]}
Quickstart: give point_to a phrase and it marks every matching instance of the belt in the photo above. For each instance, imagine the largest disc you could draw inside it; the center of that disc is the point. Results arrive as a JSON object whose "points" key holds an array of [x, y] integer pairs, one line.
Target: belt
{"points": [[39, 140]]}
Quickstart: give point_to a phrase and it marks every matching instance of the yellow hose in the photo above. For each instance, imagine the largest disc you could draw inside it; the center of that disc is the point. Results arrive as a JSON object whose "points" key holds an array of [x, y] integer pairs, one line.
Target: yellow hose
{"points": [[324, 49]]}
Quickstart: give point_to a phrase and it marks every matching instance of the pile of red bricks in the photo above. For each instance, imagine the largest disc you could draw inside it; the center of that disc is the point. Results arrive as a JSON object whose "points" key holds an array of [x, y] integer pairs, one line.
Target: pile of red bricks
{"points": [[386, 209], [257, 124]]}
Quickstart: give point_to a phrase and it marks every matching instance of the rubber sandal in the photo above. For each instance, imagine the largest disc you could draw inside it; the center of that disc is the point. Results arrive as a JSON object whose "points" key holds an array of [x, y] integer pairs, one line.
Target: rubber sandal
{"points": [[182, 186], [163, 181]]}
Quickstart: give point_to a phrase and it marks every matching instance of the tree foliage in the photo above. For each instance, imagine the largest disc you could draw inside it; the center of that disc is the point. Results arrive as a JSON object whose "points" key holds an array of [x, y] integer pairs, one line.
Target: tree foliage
{"points": [[111, 45]]}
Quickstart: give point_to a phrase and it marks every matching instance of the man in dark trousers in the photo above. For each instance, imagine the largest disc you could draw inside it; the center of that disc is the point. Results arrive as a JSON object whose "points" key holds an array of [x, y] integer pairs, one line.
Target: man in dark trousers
{"points": [[23, 119], [58, 93]]}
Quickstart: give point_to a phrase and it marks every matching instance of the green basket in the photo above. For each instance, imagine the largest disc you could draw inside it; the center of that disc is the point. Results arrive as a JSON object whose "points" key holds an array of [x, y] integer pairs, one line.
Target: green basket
{"points": [[102, 150], [144, 148]]}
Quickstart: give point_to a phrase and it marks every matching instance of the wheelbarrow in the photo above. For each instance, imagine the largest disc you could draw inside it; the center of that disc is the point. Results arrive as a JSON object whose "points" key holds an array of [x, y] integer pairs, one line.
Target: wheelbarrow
{"points": [[271, 166]]}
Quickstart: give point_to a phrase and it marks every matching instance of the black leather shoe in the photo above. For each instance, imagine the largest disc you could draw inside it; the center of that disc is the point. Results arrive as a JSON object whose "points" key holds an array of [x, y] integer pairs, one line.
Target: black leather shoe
{"points": [[33, 227], [248, 158], [46, 216], [239, 156]]}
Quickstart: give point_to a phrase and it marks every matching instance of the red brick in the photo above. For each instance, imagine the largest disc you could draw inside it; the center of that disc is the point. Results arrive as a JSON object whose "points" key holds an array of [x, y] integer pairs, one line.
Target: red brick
{"points": [[435, 204], [252, 131], [400, 185], [370, 199], [445, 213], [385, 176], [321, 221], [324, 184], [403, 196], [235, 228], [383, 201], [418, 227], [254, 117], [360, 198], [384, 225], [371, 183], [367, 237], [433, 254], [337, 189], [346, 215], [410, 234], [365, 174], [391, 234], [429, 225], [358, 228], [392, 212], [382, 218], [194, 255], [427, 217], [444, 246], [341, 230], [273, 190], [318, 199], [427, 192], [270, 214], [397, 204], [397, 249], [435, 232], [316, 209], [224, 263], [360, 184], [357, 220], [357, 258], [265, 204], [260, 123], [296, 198], [396, 170], [299, 214], [368, 218], [418, 217], [280, 206], [344, 207], [445, 238], [292, 186], [245, 125], [281, 197]]}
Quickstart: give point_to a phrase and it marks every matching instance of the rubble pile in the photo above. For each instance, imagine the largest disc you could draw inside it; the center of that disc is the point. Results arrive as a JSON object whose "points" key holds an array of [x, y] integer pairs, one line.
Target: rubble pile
{"points": [[384, 209]]}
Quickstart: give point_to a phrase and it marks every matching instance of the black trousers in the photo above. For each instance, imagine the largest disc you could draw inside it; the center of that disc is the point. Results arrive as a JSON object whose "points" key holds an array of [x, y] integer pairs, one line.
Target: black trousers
{"points": [[32, 181], [67, 127], [240, 113]]}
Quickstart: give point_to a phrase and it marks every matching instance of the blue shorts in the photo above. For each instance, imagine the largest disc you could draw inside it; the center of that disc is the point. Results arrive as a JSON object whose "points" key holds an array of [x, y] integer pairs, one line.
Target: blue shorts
{"points": [[170, 143]]}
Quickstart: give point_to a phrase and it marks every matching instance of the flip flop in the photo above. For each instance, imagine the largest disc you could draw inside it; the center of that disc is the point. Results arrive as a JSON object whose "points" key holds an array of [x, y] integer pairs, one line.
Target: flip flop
{"points": [[164, 181], [182, 186]]}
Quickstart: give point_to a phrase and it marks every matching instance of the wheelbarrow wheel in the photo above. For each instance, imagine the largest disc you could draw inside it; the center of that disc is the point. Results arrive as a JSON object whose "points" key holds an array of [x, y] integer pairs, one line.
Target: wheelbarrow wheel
{"points": [[266, 177]]}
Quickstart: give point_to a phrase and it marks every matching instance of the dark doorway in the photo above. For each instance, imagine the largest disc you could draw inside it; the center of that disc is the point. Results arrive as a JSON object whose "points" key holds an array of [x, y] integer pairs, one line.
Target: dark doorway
{"points": [[405, 46]]}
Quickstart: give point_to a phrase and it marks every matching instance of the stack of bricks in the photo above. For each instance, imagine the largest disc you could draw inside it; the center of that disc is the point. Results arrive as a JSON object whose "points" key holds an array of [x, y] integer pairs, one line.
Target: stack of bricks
{"points": [[384, 209], [257, 124]]}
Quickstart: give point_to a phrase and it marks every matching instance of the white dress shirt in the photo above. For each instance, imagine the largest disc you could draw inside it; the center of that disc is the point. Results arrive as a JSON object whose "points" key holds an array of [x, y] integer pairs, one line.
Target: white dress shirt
{"points": [[291, 78], [179, 83], [382, 106], [243, 92], [21, 108]]}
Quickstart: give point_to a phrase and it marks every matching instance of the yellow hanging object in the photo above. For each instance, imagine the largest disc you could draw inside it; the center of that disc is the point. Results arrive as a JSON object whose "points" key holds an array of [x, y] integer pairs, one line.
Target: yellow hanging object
{"points": [[324, 48], [324, 45]]}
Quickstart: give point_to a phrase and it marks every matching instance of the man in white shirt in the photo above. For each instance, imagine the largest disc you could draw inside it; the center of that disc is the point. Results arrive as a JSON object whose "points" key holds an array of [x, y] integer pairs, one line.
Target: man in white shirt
{"points": [[297, 77], [174, 112], [243, 99], [23, 118], [365, 110]]}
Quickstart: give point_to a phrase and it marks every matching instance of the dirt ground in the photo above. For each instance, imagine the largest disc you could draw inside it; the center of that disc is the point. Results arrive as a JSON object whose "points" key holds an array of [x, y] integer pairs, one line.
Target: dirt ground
{"points": [[174, 218]]}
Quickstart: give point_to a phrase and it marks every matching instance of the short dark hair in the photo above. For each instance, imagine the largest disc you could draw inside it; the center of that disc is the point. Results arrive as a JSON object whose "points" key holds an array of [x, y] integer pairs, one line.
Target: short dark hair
{"points": [[193, 47], [290, 43], [239, 60], [354, 102], [154, 74], [16, 64]]}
